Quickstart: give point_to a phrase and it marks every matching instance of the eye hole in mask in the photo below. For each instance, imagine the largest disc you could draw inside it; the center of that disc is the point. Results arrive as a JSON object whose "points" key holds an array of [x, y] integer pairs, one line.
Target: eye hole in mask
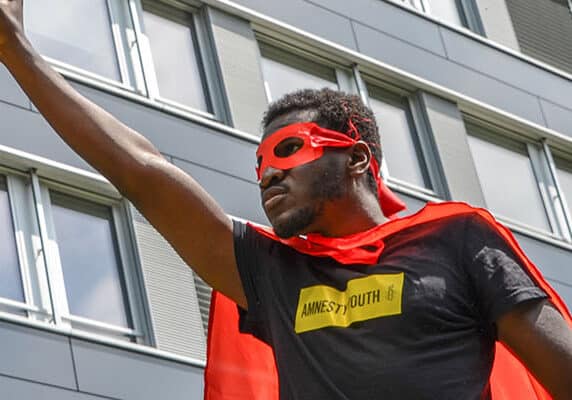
{"points": [[288, 146]]}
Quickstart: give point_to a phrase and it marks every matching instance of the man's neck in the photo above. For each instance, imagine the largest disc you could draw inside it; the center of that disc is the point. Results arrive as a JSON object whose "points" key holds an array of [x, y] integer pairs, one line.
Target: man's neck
{"points": [[351, 216]]}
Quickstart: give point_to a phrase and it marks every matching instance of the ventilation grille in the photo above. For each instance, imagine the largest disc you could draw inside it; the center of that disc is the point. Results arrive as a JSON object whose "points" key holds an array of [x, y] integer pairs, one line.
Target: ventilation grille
{"points": [[204, 296], [544, 30], [173, 299]]}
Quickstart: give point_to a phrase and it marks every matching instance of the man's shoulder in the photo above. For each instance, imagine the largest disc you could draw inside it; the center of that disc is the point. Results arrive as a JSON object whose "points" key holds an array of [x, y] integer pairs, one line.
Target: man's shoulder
{"points": [[435, 211], [445, 215]]}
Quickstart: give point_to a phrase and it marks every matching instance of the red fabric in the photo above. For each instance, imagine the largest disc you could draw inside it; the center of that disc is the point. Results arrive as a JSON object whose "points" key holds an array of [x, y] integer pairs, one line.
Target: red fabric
{"points": [[240, 367]]}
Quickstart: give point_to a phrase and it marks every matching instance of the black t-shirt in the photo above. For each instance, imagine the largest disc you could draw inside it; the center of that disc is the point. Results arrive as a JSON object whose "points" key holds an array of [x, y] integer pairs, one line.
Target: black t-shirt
{"points": [[419, 324]]}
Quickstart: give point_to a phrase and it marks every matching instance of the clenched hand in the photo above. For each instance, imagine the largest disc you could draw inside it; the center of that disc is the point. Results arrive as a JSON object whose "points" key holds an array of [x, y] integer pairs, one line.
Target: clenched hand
{"points": [[11, 24]]}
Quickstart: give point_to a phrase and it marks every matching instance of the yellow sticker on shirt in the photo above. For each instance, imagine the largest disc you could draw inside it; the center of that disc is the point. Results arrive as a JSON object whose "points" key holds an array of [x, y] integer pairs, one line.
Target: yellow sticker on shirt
{"points": [[365, 298]]}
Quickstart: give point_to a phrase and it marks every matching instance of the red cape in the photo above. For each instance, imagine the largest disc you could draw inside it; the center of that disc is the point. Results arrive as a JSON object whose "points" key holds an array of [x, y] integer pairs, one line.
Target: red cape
{"points": [[240, 367]]}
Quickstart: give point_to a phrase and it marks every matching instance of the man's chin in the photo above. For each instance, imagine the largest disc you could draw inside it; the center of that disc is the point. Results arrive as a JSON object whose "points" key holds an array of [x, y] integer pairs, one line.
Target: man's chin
{"points": [[293, 223]]}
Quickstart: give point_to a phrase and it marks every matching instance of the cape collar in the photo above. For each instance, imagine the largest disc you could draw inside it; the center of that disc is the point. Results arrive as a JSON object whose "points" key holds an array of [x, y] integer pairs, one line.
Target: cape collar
{"points": [[362, 247]]}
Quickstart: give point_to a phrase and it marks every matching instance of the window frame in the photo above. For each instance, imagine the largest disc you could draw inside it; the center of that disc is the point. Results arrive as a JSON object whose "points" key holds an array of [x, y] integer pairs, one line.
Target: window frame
{"points": [[543, 176], [121, 30], [559, 197], [23, 266], [42, 276], [425, 147], [195, 19], [135, 65], [467, 9], [305, 60]]}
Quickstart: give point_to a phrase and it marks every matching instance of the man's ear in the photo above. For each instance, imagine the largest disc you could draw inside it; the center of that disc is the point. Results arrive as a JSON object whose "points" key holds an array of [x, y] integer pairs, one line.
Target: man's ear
{"points": [[360, 158]]}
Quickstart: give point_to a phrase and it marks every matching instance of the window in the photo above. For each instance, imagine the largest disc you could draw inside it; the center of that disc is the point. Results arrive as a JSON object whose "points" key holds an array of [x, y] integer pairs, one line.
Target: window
{"points": [[152, 49], [564, 175], [510, 178], [399, 141], [447, 10], [63, 260], [456, 12], [10, 279], [285, 72], [175, 74], [58, 29], [89, 260]]}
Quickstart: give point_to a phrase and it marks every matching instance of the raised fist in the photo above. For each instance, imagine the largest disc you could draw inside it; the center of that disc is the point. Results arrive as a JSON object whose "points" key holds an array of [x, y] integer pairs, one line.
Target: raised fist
{"points": [[11, 24]]}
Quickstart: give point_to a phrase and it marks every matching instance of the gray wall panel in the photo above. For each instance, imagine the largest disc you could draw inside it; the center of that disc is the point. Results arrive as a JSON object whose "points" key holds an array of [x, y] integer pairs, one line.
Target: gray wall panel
{"points": [[238, 55], [237, 197], [121, 374], [14, 389], [306, 16], [413, 204], [450, 136], [507, 68], [557, 118], [447, 73], [181, 138], [170, 286], [564, 291], [554, 262], [391, 19], [10, 92], [27, 131], [36, 355]]}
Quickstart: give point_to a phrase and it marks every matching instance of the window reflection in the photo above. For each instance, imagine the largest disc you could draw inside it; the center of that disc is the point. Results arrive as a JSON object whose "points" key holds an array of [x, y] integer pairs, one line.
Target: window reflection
{"points": [[446, 10], [175, 60], [564, 175], [508, 181], [89, 258], [76, 32], [284, 73], [10, 279], [400, 149]]}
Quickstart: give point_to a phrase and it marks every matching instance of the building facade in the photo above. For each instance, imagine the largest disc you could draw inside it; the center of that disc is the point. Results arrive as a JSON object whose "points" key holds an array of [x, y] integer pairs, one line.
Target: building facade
{"points": [[473, 101]]}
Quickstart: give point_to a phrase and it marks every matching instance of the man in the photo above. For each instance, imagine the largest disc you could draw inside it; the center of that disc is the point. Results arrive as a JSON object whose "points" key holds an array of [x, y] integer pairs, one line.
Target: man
{"points": [[418, 320], [321, 180]]}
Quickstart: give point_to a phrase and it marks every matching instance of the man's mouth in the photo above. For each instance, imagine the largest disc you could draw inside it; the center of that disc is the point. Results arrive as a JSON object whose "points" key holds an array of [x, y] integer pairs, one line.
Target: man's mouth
{"points": [[272, 196]]}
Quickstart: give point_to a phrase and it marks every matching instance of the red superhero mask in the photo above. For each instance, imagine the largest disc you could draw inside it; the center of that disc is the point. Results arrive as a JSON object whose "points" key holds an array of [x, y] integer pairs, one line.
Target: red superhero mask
{"points": [[314, 138]]}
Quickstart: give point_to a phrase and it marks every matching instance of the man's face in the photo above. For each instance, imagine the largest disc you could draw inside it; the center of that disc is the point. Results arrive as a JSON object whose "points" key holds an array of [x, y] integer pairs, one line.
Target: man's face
{"points": [[295, 199]]}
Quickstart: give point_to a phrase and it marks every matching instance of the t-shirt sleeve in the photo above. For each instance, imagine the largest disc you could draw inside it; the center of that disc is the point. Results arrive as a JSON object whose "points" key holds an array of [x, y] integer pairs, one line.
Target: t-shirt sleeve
{"points": [[500, 278], [248, 248]]}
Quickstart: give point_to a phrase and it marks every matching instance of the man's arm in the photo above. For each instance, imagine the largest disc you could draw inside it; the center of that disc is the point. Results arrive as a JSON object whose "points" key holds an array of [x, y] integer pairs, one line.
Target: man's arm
{"points": [[538, 334], [182, 211]]}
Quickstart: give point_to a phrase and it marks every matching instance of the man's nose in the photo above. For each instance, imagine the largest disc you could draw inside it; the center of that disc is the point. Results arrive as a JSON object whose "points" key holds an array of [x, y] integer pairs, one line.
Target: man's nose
{"points": [[270, 176]]}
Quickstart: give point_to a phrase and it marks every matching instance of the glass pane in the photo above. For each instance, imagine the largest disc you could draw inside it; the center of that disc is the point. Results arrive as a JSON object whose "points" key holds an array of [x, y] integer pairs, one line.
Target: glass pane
{"points": [[281, 79], [447, 10], [397, 142], [10, 279], [85, 237], [564, 172], [77, 32], [175, 60], [508, 183]]}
